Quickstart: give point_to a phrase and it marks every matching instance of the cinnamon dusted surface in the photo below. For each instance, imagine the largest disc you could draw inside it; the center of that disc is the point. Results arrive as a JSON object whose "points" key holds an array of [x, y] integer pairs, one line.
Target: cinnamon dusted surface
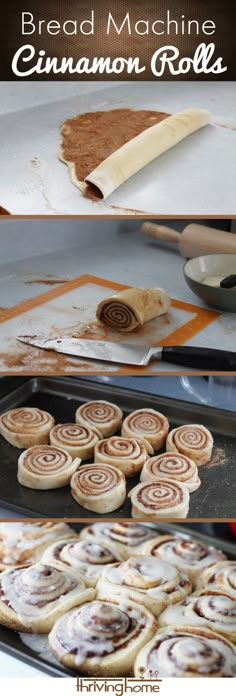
{"points": [[88, 139]]}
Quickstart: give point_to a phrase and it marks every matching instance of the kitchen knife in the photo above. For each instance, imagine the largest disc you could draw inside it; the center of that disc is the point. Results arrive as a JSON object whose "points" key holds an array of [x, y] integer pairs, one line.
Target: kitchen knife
{"points": [[129, 354]]}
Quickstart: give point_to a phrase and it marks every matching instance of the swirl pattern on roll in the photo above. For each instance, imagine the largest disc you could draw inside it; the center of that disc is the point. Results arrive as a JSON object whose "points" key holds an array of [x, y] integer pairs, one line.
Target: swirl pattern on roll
{"points": [[76, 439], [159, 499], [129, 536], [215, 611], [127, 454], [45, 467], [33, 596], [176, 466], [101, 638], [99, 487], [187, 651], [195, 441], [118, 316], [145, 580], [22, 543], [188, 555], [89, 558], [221, 577], [148, 424], [25, 427], [106, 417]]}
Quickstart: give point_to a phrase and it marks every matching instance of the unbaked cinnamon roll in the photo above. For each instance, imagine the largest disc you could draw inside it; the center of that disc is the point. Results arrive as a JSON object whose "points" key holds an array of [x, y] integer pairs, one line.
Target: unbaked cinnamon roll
{"points": [[128, 536], [212, 610], [88, 558], [45, 467], [126, 453], [188, 555], [102, 638], [26, 427], [187, 651], [145, 580], [102, 415], [77, 440], [129, 309], [221, 577], [148, 424], [99, 487], [31, 599], [174, 466], [159, 499], [195, 441], [22, 543]]}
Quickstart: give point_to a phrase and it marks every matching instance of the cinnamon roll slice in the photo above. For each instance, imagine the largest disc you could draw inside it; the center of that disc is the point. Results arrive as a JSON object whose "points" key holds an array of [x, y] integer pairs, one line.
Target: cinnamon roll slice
{"points": [[45, 467], [78, 440], [159, 499], [86, 557], [99, 487], [210, 609], [125, 453], [175, 466], [188, 555], [145, 580], [31, 599], [147, 424], [22, 543], [220, 577], [187, 651], [102, 638], [26, 427], [101, 415], [128, 536], [195, 441], [129, 309]]}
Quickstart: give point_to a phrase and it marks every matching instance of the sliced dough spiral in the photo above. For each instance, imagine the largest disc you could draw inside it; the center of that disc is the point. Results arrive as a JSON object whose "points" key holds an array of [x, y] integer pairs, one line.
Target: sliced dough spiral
{"points": [[145, 580], [25, 427], [99, 487], [212, 610], [220, 577], [195, 441], [22, 543], [128, 309], [101, 415], [78, 440], [187, 651], [45, 467], [89, 558], [127, 454], [148, 424], [174, 466], [188, 555], [102, 638], [159, 499], [31, 599], [128, 536]]}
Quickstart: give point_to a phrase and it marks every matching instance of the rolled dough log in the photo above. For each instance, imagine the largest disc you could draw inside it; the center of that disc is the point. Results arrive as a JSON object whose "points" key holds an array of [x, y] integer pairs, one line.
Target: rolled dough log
{"points": [[131, 308]]}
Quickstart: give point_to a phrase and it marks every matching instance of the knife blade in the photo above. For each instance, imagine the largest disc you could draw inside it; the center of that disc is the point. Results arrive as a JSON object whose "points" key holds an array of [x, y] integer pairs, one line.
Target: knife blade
{"points": [[130, 354]]}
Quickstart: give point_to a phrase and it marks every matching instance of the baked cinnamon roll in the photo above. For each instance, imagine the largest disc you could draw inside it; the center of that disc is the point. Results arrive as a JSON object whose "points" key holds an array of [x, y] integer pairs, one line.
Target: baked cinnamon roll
{"points": [[44, 467], [147, 424], [127, 454], [102, 415], [220, 577], [78, 440], [187, 651], [195, 441], [210, 609], [159, 499], [25, 427], [145, 580], [128, 536], [31, 599], [22, 543], [88, 558], [174, 466], [188, 555], [102, 638], [99, 487]]}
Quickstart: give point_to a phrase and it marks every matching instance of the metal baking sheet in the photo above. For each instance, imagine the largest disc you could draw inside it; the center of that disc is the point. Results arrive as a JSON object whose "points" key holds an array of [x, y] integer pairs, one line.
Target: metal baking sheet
{"points": [[197, 176], [61, 396], [12, 643]]}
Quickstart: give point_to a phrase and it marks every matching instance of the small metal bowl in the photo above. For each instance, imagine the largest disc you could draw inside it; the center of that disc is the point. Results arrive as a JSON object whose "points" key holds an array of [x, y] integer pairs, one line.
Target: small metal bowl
{"points": [[212, 265]]}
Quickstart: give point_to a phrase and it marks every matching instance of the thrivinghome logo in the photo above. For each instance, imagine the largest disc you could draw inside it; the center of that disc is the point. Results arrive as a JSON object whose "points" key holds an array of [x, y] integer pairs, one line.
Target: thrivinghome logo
{"points": [[147, 683]]}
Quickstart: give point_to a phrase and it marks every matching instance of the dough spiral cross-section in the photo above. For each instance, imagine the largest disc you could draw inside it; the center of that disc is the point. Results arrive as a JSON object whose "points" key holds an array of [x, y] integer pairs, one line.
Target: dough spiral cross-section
{"points": [[45, 467], [195, 441], [104, 416], [99, 487], [130, 309], [159, 499], [176, 466], [76, 439], [127, 454], [25, 427], [148, 424]]}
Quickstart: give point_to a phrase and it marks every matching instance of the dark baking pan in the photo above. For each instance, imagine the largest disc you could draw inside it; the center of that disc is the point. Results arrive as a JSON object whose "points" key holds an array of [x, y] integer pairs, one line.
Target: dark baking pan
{"points": [[61, 396], [35, 650]]}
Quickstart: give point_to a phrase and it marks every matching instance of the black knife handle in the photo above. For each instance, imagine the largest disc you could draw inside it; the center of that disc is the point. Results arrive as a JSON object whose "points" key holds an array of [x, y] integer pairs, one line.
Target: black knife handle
{"points": [[200, 358]]}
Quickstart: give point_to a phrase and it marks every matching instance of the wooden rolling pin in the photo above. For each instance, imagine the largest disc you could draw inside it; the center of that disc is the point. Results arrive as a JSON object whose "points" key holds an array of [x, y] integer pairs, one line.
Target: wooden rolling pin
{"points": [[195, 240]]}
